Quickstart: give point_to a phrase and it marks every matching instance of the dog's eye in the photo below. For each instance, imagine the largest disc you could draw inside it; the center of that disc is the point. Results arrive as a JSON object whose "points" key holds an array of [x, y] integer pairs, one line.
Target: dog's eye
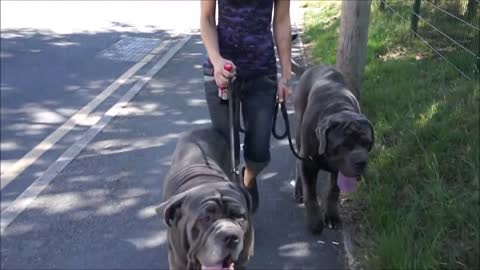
{"points": [[238, 216], [366, 144], [195, 232], [347, 145], [211, 209], [205, 219]]}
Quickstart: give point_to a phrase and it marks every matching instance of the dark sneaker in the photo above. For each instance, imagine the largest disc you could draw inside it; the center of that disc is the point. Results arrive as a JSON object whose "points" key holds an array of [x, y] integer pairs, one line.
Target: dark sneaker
{"points": [[294, 36], [253, 192]]}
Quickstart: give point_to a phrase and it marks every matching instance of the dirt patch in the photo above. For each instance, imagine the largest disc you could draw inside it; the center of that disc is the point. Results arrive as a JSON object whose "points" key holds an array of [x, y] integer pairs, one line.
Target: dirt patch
{"points": [[353, 229]]}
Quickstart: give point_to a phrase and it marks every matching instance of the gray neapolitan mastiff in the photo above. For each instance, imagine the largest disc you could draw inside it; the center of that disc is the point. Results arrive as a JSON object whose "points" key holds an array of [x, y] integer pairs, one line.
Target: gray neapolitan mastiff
{"points": [[334, 136], [208, 216]]}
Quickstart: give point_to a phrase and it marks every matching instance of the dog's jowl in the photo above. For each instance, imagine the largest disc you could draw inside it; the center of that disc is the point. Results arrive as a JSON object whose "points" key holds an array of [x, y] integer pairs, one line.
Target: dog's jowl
{"points": [[334, 136], [208, 216]]}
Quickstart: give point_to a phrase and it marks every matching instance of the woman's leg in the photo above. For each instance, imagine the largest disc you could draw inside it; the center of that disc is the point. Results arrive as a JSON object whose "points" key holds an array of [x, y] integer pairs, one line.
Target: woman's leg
{"points": [[218, 111], [258, 103]]}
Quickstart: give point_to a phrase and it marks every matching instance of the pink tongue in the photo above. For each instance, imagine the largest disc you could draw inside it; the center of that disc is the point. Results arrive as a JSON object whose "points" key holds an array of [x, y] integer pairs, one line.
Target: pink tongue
{"points": [[346, 184]]}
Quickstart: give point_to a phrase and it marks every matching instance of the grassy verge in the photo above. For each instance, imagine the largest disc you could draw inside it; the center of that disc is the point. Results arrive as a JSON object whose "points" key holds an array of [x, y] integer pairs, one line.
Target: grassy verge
{"points": [[419, 205]]}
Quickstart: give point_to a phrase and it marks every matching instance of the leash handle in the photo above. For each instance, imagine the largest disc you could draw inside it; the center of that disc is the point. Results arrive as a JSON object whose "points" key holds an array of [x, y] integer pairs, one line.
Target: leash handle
{"points": [[223, 91], [228, 67], [274, 129]]}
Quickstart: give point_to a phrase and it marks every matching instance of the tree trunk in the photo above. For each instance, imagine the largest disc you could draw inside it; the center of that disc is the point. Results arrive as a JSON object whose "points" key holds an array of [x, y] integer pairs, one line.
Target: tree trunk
{"points": [[352, 47]]}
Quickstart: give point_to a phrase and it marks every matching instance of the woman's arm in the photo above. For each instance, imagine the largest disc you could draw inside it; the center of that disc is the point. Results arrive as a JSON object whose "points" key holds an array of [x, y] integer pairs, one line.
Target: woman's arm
{"points": [[282, 35], [208, 29], [209, 35]]}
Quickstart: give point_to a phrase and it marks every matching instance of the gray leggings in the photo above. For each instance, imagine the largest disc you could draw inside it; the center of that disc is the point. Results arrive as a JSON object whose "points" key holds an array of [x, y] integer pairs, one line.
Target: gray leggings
{"points": [[257, 97]]}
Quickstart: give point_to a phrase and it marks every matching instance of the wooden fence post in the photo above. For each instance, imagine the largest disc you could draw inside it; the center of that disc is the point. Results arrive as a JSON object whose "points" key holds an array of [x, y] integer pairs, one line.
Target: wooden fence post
{"points": [[352, 47]]}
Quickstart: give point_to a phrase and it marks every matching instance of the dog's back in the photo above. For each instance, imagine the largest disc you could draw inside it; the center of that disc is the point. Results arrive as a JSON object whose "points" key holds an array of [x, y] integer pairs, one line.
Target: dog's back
{"points": [[323, 86], [202, 147]]}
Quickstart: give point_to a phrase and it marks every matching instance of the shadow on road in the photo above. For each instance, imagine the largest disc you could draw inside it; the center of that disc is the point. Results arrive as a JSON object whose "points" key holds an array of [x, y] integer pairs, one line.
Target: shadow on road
{"points": [[47, 77]]}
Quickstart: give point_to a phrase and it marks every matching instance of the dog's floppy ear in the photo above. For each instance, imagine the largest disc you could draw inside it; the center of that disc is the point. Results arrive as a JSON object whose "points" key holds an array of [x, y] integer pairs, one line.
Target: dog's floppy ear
{"points": [[322, 129], [321, 132], [169, 210], [247, 196], [372, 132]]}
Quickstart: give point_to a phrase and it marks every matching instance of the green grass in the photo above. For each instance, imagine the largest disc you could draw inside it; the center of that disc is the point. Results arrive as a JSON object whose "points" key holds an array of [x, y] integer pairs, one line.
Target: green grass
{"points": [[420, 200]]}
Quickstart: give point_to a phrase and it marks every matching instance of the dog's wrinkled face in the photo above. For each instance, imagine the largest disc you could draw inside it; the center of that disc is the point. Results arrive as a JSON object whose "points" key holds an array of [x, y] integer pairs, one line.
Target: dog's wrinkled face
{"points": [[347, 140], [214, 221]]}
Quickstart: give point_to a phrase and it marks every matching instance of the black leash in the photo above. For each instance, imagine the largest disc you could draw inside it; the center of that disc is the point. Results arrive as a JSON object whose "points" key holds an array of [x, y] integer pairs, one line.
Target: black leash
{"points": [[232, 127], [283, 109]]}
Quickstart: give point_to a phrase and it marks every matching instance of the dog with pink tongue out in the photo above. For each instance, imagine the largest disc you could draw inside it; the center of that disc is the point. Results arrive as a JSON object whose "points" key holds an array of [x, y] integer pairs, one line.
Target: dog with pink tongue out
{"points": [[331, 135]]}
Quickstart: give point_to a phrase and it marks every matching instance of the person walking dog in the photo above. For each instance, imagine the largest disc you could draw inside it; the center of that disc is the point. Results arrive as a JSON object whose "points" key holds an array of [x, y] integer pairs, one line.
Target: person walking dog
{"points": [[243, 40]]}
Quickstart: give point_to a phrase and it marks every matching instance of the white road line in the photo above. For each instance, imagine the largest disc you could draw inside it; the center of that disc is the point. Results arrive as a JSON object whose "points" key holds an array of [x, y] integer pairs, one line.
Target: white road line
{"points": [[28, 159], [29, 195]]}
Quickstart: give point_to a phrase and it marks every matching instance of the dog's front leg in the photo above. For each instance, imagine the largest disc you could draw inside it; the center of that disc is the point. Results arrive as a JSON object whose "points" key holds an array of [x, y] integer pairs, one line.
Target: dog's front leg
{"points": [[298, 192], [313, 211], [248, 249], [332, 217]]}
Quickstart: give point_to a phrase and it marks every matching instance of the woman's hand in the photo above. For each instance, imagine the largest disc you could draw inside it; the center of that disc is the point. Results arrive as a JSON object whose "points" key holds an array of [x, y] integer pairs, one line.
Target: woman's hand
{"points": [[284, 89], [222, 75]]}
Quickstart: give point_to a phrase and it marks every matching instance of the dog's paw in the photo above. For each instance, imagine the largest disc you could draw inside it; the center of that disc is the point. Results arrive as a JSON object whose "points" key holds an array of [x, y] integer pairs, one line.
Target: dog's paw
{"points": [[315, 221], [315, 224], [332, 220], [298, 196]]}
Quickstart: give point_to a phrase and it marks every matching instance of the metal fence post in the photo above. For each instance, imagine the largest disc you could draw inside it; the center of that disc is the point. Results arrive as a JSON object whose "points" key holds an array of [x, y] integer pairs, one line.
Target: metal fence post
{"points": [[415, 14], [471, 9]]}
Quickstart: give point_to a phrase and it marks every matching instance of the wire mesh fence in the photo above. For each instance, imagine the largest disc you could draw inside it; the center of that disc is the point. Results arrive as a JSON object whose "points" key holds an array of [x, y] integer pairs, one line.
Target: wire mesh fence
{"points": [[449, 28]]}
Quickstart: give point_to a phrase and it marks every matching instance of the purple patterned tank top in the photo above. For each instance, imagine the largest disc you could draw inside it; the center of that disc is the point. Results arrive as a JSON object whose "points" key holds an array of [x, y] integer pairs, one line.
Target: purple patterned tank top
{"points": [[245, 36]]}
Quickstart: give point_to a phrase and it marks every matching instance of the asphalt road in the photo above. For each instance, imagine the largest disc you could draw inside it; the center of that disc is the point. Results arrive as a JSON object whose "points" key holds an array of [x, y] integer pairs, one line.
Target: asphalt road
{"points": [[54, 62], [99, 184]]}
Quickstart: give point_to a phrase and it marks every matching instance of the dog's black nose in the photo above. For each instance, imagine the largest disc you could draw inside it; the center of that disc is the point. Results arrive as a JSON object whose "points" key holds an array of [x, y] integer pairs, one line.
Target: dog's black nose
{"points": [[361, 164], [231, 241]]}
